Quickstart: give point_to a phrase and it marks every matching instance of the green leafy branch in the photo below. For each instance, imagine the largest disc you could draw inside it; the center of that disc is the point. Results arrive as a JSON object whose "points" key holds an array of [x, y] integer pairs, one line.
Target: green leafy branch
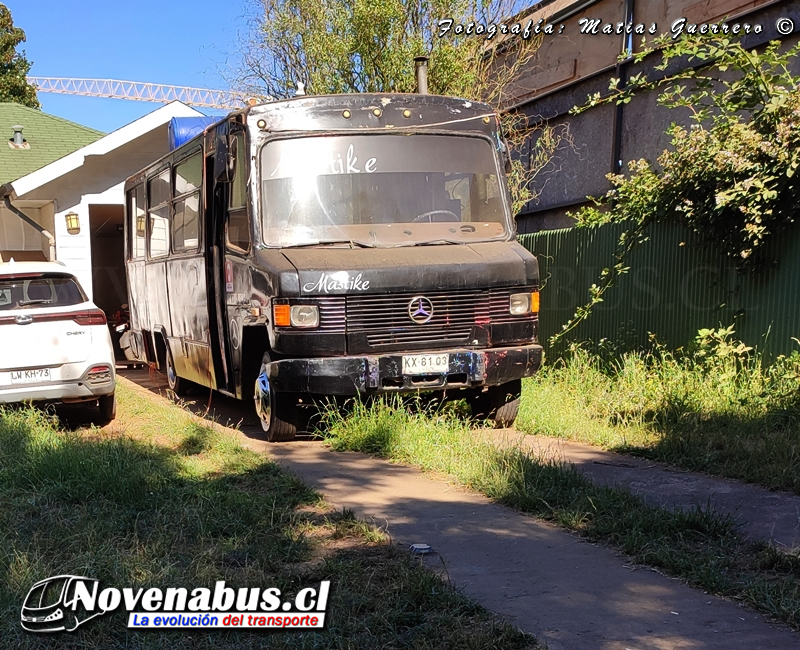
{"points": [[730, 174], [628, 241]]}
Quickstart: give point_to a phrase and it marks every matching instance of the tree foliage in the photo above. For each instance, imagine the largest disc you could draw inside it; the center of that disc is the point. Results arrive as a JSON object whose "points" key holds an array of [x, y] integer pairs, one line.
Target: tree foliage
{"points": [[14, 66], [730, 173], [351, 46], [346, 46]]}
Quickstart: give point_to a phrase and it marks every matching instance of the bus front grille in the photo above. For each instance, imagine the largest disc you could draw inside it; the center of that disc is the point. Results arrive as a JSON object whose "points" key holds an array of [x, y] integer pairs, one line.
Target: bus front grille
{"points": [[435, 335], [385, 320], [332, 314], [373, 314]]}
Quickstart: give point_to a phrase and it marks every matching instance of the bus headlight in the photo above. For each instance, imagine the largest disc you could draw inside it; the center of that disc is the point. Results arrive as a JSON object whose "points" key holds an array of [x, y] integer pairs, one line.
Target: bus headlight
{"points": [[304, 316], [519, 304], [524, 303]]}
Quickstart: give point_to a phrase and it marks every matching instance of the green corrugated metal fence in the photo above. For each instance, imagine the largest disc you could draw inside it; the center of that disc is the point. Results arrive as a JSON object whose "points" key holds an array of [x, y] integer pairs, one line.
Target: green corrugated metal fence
{"points": [[675, 286]]}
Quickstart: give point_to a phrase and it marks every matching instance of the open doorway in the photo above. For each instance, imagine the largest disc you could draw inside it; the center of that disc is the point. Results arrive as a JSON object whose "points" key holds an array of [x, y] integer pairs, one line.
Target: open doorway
{"points": [[109, 285]]}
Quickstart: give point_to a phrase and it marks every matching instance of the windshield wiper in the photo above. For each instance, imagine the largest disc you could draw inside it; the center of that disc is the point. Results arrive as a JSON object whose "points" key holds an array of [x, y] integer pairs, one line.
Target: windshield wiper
{"points": [[35, 301], [352, 242], [438, 242]]}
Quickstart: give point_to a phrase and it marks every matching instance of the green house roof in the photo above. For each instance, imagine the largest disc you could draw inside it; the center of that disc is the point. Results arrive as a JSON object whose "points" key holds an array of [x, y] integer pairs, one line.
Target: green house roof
{"points": [[48, 138]]}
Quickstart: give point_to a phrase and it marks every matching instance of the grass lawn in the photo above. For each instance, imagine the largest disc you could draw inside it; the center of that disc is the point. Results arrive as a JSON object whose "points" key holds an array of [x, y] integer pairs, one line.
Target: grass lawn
{"points": [[161, 499], [699, 546], [715, 408]]}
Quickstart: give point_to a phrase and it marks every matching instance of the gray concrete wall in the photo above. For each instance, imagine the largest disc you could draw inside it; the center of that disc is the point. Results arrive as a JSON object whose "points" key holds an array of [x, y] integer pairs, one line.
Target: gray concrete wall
{"points": [[579, 170]]}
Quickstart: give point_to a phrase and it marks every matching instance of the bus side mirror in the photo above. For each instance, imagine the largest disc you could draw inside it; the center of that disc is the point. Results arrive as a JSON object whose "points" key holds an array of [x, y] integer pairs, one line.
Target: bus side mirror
{"points": [[225, 159], [505, 152]]}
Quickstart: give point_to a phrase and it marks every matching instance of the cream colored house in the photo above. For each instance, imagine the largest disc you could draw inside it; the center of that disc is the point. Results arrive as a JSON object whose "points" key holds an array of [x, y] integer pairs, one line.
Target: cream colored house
{"points": [[78, 200]]}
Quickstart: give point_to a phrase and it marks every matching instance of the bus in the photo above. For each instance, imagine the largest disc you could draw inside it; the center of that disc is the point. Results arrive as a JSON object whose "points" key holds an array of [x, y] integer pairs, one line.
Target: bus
{"points": [[335, 245]]}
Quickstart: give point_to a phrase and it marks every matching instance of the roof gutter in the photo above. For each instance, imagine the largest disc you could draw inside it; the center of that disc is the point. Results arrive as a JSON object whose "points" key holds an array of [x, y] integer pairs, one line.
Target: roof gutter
{"points": [[6, 191]]}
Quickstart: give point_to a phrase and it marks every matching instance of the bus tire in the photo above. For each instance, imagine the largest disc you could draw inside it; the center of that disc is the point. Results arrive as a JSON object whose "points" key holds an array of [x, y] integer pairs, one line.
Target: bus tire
{"points": [[283, 427], [278, 413], [177, 385], [498, 404]]}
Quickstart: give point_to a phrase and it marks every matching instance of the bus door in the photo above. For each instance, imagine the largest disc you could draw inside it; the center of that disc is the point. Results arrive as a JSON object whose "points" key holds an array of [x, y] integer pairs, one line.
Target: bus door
{"points": [[216, 212], [186, 276], [235, 242], [158, 247], [137, 287]]}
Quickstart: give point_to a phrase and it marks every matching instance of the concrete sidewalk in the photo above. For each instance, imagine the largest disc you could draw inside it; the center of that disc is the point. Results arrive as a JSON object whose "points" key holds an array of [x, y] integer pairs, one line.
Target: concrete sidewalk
{"points": [[566, 591], [759, 513], [570, 593]]}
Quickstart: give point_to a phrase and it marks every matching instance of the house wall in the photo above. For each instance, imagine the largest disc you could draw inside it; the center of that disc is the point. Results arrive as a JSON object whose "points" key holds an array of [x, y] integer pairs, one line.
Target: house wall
{"points": [[563, 58], [15, 234], [99, 181], [570, 54], [21, 241]]}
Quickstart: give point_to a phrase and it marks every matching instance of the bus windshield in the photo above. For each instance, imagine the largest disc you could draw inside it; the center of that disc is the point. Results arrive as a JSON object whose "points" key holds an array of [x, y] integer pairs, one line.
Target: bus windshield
{"points": [[381, 190]]}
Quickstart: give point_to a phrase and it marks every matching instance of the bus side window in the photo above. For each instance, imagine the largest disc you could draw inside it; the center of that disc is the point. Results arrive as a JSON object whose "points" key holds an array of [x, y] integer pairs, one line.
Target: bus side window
{"points": [[186, 217], [138, 222], [158, 210], [238, 227]]}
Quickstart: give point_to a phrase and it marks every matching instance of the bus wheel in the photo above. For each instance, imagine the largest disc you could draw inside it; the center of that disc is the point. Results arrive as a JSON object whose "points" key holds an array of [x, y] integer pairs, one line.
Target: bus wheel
{"points": [[177, 385], [278, 413], [498, 404]]}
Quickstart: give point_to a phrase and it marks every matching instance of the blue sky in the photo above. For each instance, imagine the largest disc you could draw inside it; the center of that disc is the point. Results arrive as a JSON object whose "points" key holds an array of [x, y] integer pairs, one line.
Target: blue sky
{"points": [[178, 42]]}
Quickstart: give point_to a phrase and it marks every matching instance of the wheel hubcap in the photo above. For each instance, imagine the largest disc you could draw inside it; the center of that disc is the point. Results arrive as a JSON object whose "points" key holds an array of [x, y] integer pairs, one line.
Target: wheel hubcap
{"points": [[172, 376], [263, 398]]}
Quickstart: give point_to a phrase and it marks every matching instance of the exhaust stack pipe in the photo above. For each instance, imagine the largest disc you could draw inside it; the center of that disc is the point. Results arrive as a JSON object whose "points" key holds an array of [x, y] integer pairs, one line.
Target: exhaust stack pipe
{"points": [[18, 139], [421, 69]]}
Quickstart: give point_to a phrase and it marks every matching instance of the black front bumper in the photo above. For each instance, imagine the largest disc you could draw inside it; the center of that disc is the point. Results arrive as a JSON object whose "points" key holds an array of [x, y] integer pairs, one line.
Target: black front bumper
{"points": [[383, 373]]}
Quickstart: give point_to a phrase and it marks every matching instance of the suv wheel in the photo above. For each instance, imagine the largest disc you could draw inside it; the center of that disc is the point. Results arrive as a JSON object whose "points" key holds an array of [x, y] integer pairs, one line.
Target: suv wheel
{"points": [[108, 407]]}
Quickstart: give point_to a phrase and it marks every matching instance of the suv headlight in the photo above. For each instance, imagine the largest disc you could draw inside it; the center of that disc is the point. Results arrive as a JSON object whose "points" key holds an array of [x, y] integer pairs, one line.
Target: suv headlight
{"points": [[304, 316]]}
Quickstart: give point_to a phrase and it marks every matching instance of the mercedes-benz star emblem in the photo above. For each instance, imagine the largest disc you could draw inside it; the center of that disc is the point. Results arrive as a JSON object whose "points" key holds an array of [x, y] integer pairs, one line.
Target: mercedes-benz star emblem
{"points": [[420, 310]]}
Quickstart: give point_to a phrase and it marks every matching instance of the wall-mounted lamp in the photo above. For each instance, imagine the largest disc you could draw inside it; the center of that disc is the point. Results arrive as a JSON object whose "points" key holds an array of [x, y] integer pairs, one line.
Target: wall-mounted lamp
{"points": [[73, 223], [140, 225]]}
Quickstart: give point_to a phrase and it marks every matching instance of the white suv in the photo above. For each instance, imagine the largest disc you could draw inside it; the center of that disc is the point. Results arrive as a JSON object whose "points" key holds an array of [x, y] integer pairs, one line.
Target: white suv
{"points": [[54, 342]]}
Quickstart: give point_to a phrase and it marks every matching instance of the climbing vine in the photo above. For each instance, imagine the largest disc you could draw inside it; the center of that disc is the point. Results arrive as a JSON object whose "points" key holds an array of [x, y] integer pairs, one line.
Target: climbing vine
{"points": [[730, 174]]}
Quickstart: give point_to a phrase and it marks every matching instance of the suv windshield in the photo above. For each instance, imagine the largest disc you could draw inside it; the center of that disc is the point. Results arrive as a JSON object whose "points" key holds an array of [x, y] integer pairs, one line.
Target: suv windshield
{"points": [[381, 190]]}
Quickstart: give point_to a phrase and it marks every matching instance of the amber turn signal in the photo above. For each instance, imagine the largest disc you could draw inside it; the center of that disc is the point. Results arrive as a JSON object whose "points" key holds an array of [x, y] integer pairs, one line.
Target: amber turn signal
{"points": [[282, 315], [535, 302]]}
